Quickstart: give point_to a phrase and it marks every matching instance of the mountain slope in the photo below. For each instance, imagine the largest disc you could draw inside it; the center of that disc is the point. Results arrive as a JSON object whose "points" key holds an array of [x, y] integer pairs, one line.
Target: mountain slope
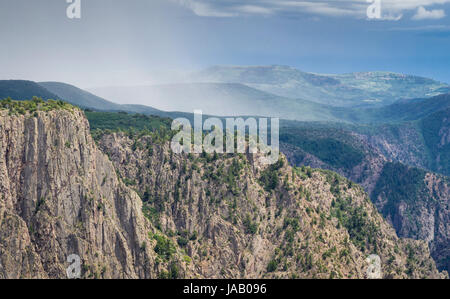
{"points": [[237, 99], [424, 143], [235, 225], [79, 97], [415, 201], [87, 100], [400, 111], [189, 216], [349, 90], [221, 99], [24, 90], [435, 130]]}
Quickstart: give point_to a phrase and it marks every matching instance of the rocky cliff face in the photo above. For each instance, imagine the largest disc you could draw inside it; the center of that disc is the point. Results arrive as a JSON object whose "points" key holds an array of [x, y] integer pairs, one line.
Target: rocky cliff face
{"points": [[440, 234], [60, 196], [424, 144], [414, 201], [236, 218], [180, 216], [366, 173], [400, 143], [417, 205]]}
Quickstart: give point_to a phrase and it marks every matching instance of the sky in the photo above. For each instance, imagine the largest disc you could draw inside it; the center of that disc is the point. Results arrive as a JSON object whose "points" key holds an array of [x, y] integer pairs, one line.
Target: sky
{"points": [[137, 42]]}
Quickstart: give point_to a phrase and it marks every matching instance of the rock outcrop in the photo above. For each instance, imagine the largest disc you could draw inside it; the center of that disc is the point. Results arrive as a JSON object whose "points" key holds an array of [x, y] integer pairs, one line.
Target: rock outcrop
{"points": [[60, 196]]}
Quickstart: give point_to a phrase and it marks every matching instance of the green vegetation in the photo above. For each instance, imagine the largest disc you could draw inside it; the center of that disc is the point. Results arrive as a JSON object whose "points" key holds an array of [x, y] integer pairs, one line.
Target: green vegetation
{"points": [[251, 227], [399, 183], [151, 214], [293, 222], [39, 204], [129, 182], [135, 125], [233, 175], [431, 128], [33, 106], [125, 121], [335, 181], [270, 176], [362, 231], [24, 90], [164, 247], [173, 273], [182, 241], [272, 266], [329, 145]]}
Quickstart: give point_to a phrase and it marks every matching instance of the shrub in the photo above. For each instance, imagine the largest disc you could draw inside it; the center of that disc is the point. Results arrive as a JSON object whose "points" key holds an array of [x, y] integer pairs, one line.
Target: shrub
{"points": [[272, 266], [270, 176], [182, 241], [250, 226], [164, 247]]}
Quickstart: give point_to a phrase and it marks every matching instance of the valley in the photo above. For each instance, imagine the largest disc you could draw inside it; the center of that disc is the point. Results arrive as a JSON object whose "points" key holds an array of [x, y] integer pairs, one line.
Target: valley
{"points": [[398, 154], [116, 204], [225, 147]]}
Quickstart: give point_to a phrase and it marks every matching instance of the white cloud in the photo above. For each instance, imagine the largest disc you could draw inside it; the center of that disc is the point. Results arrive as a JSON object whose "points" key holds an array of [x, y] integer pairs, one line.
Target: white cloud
{"points": [[427, 28], [253, 9], [351, 8], [203, 9], [392, 17], [391, 9], [423, 14]]}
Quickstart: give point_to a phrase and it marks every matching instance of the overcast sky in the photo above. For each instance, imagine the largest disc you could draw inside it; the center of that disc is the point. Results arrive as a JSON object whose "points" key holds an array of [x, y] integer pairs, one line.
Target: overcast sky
{"points": [[135, 42]]}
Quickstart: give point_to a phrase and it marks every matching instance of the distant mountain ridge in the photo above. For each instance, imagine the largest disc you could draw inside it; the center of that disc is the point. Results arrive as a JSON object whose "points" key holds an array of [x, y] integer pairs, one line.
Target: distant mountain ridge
{"points": [[221, 99], [23, 90], [401, 110], [224, 99], [78, 96], [363, 89], [235, 99], [87, 100]]}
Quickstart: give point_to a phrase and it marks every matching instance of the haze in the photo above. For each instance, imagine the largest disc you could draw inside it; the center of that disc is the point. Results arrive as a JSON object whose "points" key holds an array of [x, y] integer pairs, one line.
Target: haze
{"points": [[139, 42]]}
